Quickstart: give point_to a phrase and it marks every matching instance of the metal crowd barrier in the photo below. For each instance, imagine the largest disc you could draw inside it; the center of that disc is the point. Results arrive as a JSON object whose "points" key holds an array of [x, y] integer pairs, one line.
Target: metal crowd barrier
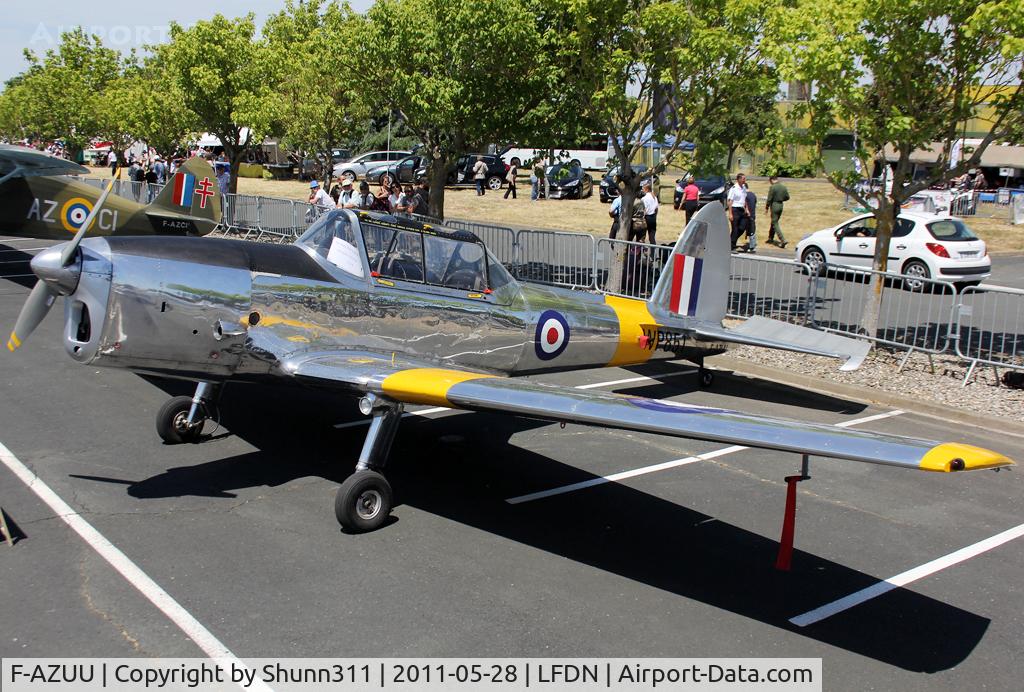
{"points": [[628, 268], [781, 289], [914, 314], [501, 241], [989, 328], [557, 258]]}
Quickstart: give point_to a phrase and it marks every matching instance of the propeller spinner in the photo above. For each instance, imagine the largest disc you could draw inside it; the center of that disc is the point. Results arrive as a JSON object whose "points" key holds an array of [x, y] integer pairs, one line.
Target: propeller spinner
{"points": [[58, 270]]}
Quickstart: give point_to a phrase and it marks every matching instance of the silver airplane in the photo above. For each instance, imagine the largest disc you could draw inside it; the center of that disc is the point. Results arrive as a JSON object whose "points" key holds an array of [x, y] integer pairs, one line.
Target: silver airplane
{"points": [[396, 312]]}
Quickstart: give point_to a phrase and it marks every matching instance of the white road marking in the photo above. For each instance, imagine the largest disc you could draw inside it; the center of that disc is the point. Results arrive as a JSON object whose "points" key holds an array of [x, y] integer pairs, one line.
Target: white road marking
{"points": [[595, 385], [875, 590], [192, 628], [25, 249], [14, 276], [601, 480], [21, 261]]}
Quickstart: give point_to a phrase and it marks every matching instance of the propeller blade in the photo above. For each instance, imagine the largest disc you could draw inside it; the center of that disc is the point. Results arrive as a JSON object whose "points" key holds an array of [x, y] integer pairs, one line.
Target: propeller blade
{"points": [[32, 313], [72, 247]]}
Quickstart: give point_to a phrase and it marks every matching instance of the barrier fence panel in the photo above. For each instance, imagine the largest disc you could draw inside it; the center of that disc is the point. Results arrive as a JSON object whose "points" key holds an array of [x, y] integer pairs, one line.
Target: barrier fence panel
{"points": [[989, 328], [628, 268], [770, 287], [501, 241], [277, 218], [241, 214], [914, 314], [552, 257]]}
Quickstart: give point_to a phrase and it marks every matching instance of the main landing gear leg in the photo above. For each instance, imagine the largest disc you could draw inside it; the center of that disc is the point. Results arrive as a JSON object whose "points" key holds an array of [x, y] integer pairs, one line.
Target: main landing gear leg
{"points": [[364, 500], [181, 418], [785, 556]]}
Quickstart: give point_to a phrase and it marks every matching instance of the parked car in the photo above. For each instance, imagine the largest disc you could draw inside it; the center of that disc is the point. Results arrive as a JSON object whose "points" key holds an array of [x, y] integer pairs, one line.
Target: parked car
{"points": [[357, 167], [569, 180], [609, 187], [461, 172], [339, 155], [923, 246], [403, 171], [712, 189]]}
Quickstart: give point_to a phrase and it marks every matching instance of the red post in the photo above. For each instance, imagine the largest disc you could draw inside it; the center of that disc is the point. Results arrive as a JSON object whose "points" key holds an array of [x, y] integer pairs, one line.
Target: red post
{"points": [[785, 556]]}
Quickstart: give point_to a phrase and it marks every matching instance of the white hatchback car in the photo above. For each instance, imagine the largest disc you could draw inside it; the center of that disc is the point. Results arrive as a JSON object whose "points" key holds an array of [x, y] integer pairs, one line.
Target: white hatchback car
{"points": [[923, 246]]}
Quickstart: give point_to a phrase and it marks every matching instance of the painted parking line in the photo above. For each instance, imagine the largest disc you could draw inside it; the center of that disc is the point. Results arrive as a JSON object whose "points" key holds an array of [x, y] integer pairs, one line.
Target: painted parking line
{"points": [[912, 575], [14, 276], [25, 249], [153, 592], [601, 480], [594, 385]]}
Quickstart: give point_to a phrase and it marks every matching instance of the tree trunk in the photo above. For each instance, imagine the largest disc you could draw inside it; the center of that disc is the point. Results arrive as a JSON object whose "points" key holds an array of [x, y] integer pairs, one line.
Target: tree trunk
{"points": [[885, 217], [438, 172]]}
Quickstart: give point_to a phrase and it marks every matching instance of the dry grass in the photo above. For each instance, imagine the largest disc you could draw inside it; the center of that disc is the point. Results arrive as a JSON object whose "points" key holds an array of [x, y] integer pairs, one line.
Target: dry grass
{"points": [[813, 205]]}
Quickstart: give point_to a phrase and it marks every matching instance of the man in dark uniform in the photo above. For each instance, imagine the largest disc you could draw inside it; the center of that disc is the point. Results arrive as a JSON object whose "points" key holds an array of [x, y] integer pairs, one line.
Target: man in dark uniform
{"points": [[777, 195]]}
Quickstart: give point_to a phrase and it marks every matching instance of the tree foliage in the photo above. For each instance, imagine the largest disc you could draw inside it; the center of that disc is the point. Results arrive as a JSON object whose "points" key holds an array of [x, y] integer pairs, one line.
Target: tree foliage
{"points": [[666, 72], [228, 78], [322, 95], [461, 74], [904, 76]]}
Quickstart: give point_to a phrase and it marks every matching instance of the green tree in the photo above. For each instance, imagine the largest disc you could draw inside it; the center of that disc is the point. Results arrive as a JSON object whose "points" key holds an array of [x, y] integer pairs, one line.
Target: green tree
{"points": [[904, 75], [322, 94], [57, 97], [664, 72], [461, 74], [228, 78]]}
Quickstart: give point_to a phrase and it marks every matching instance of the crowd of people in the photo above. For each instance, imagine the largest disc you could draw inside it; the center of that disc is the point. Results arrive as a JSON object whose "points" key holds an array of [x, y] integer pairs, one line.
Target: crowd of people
{"points": [[390, 197]]}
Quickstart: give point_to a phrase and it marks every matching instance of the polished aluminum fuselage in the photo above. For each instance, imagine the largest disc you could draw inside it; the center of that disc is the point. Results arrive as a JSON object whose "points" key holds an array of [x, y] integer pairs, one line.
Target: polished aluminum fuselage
{"points": [[213, 309]]}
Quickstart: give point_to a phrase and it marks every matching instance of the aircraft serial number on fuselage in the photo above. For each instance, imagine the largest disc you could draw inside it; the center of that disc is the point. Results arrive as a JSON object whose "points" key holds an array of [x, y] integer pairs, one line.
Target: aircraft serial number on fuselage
{"points": [[664, 339]]}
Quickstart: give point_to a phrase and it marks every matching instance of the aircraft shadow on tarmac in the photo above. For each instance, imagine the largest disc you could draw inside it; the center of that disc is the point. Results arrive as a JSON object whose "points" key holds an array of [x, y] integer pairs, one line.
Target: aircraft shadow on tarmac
{"points": [[15, 261]]}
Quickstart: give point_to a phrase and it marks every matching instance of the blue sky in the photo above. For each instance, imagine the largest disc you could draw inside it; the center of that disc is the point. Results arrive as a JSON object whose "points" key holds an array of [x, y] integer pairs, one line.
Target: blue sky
{"points": [[123, 25]]}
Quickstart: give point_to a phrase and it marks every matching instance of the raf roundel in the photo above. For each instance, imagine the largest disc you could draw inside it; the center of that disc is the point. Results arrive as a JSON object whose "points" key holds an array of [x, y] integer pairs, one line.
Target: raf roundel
{"points": [[552, 335], [74, 213]]}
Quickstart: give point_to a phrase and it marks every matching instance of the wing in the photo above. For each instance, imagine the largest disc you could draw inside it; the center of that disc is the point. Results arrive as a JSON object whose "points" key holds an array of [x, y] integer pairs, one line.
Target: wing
{"points": [[23, 162], [417, 383]]}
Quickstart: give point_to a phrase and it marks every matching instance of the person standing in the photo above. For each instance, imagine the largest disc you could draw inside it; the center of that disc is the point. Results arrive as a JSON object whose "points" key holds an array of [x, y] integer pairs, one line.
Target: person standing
{"points": [[510, 177], [112, 161], [421, 200], [613, 212], [479, 175], [650, 212], [777, 196], [536, 179], [751, 221], [691, 198], [737, 201]]}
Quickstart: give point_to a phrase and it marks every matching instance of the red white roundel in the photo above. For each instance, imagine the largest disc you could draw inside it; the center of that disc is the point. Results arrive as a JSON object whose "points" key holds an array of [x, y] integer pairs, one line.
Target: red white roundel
{"points": [[552, 335]]}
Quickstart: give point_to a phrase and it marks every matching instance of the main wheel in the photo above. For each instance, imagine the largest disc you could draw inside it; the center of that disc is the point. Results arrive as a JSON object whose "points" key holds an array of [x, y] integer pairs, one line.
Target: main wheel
{"points": [[494, 182], [172, 421], [915, 271], [706, 377], [813, 257], [363, 502]]}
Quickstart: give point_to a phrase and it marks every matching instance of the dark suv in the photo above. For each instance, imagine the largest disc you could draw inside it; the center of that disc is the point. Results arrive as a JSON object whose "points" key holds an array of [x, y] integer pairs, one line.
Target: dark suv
{"points": [[461, 172]]}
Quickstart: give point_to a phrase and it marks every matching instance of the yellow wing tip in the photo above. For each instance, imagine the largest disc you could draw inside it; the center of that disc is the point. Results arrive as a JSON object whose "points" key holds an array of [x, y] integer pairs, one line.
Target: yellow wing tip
{"points": [[953, 456]]}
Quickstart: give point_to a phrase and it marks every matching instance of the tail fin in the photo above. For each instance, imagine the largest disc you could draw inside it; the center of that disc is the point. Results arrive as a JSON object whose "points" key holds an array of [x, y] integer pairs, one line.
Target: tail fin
{"points": [[190, 201], [695, 282]]}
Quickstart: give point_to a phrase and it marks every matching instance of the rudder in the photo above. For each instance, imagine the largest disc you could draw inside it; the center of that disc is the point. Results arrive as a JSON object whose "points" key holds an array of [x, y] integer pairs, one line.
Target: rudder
{"points": [[189, 201]]}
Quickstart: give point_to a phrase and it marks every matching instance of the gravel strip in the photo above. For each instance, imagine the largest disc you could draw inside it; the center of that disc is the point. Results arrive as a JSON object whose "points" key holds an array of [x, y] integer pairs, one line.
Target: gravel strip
{"points": [[983, 395]]}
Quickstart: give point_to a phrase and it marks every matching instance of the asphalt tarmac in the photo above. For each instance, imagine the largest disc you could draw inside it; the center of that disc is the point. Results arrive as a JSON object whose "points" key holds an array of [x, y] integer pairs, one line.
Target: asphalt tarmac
{"points": [[676, 562]]}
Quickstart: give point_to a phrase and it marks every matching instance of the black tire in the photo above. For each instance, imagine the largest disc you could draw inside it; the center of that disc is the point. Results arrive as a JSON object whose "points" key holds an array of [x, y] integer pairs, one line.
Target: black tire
{"points": [[170, 421], [576, 162], [604, 198], [363, 502], [705, 377], [494, 182], [351, 175], [915, 271], [813, 256]]}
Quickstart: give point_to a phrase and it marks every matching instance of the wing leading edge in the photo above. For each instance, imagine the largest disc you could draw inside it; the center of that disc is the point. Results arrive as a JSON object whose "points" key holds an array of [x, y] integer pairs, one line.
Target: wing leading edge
{"points": [[412, 383]]}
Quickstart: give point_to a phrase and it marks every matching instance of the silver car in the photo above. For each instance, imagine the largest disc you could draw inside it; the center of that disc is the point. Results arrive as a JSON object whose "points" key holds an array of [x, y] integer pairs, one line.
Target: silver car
{"points": [[355, 168]]}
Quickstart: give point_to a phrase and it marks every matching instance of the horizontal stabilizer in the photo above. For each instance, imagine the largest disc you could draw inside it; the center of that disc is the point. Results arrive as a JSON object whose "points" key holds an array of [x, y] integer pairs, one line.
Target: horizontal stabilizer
{"points": [[768, 333]]}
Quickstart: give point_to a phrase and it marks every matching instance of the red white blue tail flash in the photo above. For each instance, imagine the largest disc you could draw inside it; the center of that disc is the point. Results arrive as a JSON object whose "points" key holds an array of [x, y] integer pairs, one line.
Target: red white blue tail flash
{"points": [[685, 284], [184, 187]]}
